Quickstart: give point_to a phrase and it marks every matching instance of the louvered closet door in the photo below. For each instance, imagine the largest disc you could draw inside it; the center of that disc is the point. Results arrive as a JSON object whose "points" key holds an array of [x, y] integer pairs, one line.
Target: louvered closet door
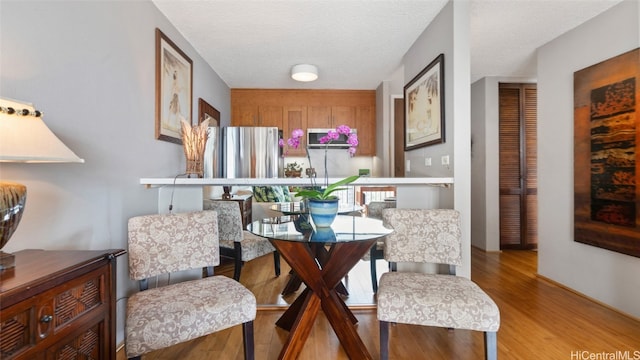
{"points": [[518, 166]]}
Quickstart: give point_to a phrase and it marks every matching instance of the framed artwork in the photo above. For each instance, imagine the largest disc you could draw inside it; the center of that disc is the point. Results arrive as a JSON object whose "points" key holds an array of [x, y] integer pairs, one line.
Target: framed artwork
{"points": [[424, 107], [174, 82], [606, 154], [206, 111]]}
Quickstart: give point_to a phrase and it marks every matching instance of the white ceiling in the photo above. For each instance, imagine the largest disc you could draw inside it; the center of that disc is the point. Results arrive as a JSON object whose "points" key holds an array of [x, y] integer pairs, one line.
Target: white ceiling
{"points": [[357, 44]]}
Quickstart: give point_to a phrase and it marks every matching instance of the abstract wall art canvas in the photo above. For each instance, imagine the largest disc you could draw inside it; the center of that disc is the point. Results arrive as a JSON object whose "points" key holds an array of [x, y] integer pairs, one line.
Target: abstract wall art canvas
{"points": [[606, 154]]}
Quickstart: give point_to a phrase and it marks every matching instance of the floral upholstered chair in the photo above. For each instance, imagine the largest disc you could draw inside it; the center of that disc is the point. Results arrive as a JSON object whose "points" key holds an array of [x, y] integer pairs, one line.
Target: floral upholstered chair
{"points": [[237, 243], [164, 316], [449, 301], [374, 210]]}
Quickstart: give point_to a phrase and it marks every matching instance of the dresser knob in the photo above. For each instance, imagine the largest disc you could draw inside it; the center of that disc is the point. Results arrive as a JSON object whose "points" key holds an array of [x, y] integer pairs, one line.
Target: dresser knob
{"points": [[46, 318]]}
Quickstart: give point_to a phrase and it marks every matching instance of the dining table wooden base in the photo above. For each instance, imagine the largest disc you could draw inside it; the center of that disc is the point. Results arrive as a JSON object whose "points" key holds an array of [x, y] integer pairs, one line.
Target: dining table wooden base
{"points": [[295, 282], [321, 279]]}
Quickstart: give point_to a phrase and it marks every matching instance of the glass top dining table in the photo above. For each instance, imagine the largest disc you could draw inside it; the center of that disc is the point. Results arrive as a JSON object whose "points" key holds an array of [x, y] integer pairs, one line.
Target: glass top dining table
{"points": [[301, 228], [320, 257]]}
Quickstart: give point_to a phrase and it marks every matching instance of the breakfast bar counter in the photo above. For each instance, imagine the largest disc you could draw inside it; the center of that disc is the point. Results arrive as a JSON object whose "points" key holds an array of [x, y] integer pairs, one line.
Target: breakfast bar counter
{"points": [[179, 194], [362, 181]]}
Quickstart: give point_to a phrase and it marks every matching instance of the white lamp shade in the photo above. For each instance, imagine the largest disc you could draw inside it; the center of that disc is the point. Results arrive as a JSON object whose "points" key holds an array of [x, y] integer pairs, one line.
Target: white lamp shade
{"points": [[304, 72], [28, 139]]}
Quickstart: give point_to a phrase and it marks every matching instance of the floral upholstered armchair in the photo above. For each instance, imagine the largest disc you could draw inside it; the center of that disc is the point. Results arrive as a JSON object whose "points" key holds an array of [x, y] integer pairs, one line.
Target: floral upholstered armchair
{"points": [[441, 300], [163, 316]]}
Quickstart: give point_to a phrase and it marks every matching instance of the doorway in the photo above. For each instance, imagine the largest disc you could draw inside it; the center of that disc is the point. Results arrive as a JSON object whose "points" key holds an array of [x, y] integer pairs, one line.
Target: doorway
{"points": [[518, 181]]}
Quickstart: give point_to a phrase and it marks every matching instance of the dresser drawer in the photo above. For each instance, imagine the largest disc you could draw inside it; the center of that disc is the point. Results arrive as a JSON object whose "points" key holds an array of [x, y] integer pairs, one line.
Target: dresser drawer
{"points": [[82, 344], [56, 313], [17, 328], [58, 305]]}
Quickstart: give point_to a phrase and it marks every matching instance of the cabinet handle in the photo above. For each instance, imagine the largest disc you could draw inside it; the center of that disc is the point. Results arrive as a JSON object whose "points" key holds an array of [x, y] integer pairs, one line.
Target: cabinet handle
{"points": [[46, 318]]}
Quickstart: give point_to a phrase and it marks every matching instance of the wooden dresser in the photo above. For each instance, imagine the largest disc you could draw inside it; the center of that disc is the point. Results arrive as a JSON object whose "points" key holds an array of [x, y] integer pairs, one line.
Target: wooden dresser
{"points": [[59, 305]]}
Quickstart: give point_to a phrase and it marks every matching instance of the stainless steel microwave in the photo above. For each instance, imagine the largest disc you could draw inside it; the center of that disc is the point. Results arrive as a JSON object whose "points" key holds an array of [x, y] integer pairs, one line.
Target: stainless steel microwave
{"points": [[314, 136]]}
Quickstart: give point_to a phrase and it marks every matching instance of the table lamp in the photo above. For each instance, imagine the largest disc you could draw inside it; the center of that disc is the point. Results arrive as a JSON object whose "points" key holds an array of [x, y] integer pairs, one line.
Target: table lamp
{"points": [[24, 138]]}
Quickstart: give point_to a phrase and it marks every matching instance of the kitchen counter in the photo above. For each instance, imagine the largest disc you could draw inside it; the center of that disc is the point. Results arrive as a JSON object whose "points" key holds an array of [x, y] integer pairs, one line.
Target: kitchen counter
{"points": [[363, 181], [188, 194]]}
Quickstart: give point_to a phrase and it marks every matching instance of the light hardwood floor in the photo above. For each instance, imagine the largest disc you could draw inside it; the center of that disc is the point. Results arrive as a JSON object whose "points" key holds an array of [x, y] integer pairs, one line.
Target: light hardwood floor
{"points": [[540, 320]]}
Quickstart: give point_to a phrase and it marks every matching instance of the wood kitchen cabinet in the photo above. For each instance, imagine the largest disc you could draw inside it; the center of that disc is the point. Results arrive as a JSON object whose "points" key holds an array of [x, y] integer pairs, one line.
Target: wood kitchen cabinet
{"points": [[329, 117], [366, 126], [305, 109], [295, 117], [59, 305], [361, 118], [255, 115]]}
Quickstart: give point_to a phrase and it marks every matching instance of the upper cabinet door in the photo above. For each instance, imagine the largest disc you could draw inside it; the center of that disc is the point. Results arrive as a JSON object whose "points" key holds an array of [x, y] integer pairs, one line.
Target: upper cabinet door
{"points": [[270, 116], [319, 117], [244, 115], [343, 115], [366, 127], [295, 117], [329, 117]]}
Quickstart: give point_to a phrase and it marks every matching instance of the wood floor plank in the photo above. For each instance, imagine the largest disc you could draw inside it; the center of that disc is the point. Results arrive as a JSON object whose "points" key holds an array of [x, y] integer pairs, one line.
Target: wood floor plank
{"points": [[539, 320]]}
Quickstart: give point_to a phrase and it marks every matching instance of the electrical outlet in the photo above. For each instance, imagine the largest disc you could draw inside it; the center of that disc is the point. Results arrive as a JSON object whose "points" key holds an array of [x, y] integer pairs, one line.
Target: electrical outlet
{"points": [[407, 167], [445, 160], [427, 161]]}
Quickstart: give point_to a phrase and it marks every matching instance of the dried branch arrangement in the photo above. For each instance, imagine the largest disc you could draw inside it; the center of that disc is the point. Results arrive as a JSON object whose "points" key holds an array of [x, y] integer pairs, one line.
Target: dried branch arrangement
{"points": [[194, 140]]}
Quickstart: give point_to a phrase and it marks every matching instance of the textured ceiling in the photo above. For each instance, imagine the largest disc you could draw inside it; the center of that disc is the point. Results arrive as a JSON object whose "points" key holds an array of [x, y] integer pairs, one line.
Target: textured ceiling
{"points": [[357, 44]]}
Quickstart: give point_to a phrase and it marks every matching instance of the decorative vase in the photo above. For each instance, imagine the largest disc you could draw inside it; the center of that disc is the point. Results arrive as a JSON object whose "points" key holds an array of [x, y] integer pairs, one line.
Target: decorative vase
{"points": [[13, 197], [323, 212], [194, 140]]}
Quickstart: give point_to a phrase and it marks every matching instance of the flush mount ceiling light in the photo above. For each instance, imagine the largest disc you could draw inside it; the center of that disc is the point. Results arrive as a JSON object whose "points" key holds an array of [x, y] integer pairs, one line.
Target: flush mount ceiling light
{"points": [[304, 72]]}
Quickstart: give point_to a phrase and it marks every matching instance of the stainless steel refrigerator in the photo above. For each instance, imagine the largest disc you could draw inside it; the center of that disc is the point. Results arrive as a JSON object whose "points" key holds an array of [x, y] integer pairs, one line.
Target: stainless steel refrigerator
{"points": [[250, 152]]}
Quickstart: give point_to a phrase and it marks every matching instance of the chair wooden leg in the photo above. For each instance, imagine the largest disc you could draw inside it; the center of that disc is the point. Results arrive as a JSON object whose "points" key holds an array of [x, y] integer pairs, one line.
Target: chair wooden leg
{"points": [[276, 262], [384, 340], [237, 268], [490, 345], [135, 358], [247, 340]]}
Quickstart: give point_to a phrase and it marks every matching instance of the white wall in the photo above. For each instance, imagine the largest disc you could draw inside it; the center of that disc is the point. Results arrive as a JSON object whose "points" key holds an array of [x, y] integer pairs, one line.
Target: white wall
{"points": [[382, 160], [479, 206], [386, 92], [448, 33], [607, 276], [90, 66]]}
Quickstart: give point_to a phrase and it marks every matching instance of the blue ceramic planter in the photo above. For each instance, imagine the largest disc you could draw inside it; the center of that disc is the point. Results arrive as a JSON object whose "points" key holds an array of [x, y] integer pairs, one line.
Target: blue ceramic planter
{"points": [[323, 212]]}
